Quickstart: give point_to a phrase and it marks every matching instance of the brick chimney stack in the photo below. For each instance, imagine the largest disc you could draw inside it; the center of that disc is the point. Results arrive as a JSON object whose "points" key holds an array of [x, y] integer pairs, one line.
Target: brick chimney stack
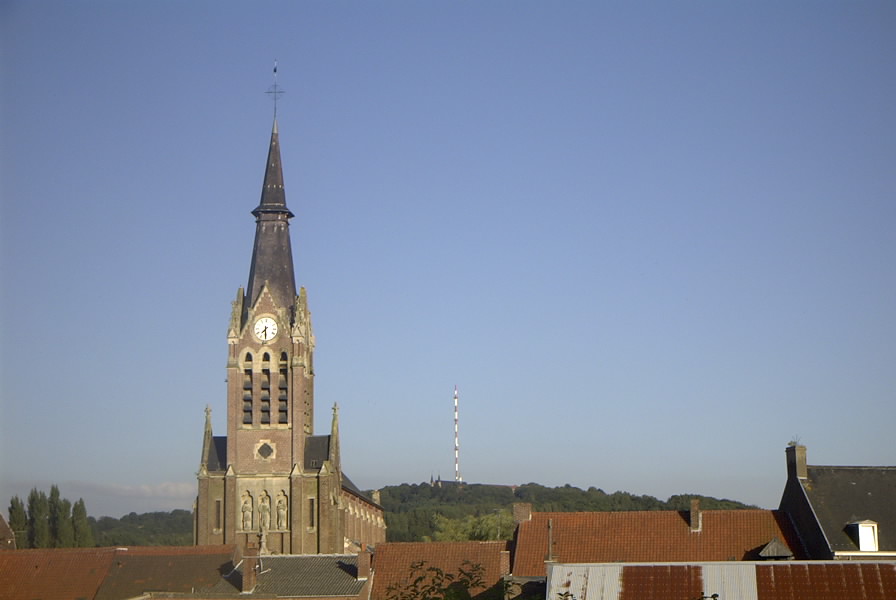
{"points": [[522, 511], [796, 461], [363, 563], [696, 516], [250, 568]]}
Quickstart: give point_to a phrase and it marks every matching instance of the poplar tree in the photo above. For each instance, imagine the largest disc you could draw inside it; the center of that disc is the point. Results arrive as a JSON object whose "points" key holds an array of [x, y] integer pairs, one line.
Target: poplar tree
{"points": [[64, 536], [18, 521], [83, 532], [38, 520], [55, 515]]}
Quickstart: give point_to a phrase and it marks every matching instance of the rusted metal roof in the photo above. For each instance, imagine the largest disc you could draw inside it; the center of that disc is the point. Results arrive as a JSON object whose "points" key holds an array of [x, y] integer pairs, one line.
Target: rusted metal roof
{"points": [[818, 580]]}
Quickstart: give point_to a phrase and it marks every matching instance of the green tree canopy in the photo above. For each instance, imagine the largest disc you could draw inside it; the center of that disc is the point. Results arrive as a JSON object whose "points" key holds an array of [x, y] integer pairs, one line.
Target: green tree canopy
{"points": [[38, 520], [18, 521], [81, 528], [469, 509]]}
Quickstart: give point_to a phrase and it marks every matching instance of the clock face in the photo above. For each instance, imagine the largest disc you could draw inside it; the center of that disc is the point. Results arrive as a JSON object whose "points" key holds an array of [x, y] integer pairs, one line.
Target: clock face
{"points": [[265, 329]]}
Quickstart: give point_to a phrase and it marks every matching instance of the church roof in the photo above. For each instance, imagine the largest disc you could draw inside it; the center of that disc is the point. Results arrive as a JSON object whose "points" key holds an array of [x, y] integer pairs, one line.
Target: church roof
{"points": [[216, 455], [273, 195], [272, 251], [317, 450]]}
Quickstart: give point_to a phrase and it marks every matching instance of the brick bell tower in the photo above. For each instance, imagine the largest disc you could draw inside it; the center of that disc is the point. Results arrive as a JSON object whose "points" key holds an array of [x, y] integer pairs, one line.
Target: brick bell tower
{"points": [[271, 482]]}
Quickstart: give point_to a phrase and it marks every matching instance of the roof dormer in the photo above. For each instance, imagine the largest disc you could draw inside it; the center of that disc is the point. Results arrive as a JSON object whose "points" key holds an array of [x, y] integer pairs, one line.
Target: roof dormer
{"points": [[864, 533]]}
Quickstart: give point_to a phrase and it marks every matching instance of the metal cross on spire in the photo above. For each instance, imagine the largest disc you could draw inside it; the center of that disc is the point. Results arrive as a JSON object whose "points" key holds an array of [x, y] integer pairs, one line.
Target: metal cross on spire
{"points": [[275, 90]]}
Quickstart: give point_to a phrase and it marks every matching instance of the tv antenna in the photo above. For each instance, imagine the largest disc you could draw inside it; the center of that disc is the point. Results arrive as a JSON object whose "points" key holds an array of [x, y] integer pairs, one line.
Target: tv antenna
{"points": [[456, 444]]}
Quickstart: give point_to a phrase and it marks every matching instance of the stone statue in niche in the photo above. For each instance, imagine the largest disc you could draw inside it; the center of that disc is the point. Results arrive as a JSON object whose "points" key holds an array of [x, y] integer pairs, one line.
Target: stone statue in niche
{"points": [[247, 510], [281, 511], [264, 512]]}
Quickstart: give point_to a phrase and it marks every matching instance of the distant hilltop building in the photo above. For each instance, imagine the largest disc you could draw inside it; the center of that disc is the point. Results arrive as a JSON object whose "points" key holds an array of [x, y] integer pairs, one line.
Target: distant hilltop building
{"points": [[271, 483]]}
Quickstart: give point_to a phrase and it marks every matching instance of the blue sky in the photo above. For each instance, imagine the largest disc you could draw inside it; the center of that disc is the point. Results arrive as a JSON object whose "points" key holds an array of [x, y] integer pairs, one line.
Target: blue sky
{"points": [[650, 242]]}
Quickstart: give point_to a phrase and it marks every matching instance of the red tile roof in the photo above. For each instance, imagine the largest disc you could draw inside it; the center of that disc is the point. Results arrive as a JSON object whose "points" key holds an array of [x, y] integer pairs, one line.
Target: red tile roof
{"points": [[648, 536], [61, 574], [392, 562], [88, 573]]}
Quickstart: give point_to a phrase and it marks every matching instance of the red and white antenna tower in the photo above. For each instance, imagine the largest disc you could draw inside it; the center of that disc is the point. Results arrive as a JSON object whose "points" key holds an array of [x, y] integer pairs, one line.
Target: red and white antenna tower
{"points": [[456, 443]]}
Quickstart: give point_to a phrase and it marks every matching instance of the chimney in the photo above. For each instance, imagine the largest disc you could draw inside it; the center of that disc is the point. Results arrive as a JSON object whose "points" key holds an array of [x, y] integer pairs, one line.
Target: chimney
{"points": [[363, 563], [250, 568], [550, 556], [522, 511], [796, 461], [696, 517]]}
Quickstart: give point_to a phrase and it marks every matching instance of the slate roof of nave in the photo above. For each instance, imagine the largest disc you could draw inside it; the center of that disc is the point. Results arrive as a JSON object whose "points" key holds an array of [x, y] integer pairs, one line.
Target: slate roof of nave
{"points": [[297, 576], [216, 461]]}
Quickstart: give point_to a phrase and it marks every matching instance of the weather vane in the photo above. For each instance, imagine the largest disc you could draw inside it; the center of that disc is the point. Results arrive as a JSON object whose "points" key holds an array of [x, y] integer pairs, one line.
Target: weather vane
{"points": [[275, 90]]}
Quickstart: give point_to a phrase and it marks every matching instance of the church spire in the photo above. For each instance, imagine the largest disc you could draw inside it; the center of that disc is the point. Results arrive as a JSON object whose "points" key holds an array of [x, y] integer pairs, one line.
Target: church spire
{"points": [[272, 252]]}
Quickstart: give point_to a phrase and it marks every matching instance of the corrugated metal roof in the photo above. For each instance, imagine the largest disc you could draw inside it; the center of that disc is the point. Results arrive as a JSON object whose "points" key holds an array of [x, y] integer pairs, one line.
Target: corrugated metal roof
{"points": [[587, 583], [660, 581], [803, 580], [730, 580]]}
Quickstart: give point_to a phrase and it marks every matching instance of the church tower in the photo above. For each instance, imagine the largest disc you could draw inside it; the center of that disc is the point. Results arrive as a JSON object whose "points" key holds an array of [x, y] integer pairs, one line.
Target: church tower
{"points": [[271, 482]]}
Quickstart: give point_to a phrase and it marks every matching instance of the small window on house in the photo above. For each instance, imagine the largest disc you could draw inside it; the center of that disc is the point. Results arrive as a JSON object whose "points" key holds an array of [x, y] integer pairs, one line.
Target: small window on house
{"points": [[866, 532]]}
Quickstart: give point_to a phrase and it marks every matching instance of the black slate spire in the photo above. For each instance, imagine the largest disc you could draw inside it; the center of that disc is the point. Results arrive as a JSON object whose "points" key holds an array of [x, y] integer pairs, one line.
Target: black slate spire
{"points": [[272, 252]]}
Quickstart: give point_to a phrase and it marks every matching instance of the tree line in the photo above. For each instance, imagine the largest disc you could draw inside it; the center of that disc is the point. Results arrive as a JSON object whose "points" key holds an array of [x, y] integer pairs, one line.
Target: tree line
{"points": [[50, 521], [448, 511], [437, 511]]}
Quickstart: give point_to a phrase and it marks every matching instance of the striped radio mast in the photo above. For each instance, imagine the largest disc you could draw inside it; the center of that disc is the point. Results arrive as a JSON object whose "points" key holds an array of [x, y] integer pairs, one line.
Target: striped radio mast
{"points": [[456, 443]]}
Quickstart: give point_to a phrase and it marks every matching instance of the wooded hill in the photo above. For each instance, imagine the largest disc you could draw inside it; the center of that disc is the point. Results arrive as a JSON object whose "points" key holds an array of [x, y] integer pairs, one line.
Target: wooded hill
{"points": [[450, 511], [442, 511]]}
